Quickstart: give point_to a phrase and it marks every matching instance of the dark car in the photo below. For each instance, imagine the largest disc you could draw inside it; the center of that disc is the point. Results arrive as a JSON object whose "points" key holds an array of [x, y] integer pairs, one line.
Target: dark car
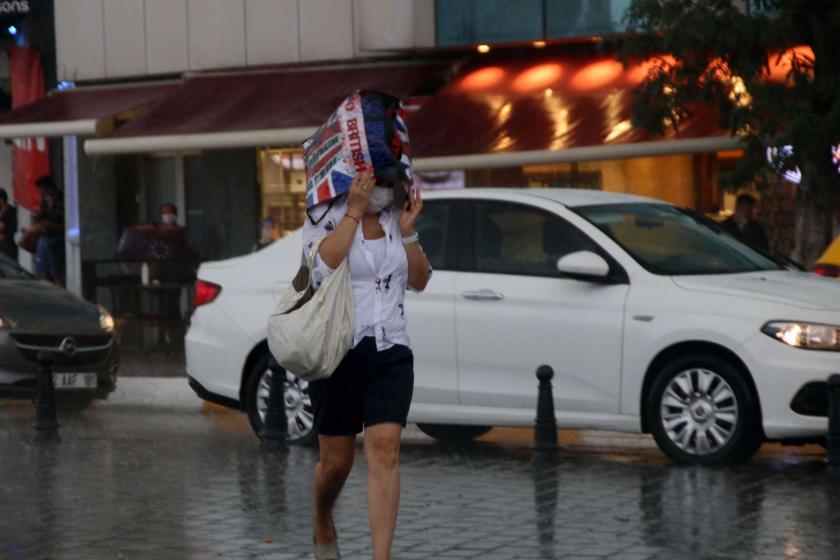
{"points": [[35, 316]]}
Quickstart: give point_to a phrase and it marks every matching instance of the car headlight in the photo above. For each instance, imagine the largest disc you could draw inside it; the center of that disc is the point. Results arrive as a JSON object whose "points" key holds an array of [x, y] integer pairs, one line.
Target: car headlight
{"points": [[106, 321], [804, 335]]}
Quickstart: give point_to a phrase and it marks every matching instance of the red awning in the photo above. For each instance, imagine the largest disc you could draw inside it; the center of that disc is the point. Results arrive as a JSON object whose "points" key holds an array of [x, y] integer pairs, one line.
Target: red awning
{"points": [[503, 111], [83, 111], [258, 107]]}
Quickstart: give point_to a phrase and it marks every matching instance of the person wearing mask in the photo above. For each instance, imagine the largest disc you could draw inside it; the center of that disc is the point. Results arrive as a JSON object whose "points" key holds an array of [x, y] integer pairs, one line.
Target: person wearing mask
{"points": [[49, 221], [8, 226], [372, 387], [744, 226], [169, 214]]}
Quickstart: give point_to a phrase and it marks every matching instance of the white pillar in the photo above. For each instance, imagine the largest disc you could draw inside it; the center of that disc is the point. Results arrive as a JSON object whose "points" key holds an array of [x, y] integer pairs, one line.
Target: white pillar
{"points": [[72, 249]]}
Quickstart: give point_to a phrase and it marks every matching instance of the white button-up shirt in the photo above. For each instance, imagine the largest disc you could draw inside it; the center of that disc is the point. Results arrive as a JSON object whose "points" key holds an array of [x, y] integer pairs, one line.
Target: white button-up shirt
{"points": [[378, 291]]}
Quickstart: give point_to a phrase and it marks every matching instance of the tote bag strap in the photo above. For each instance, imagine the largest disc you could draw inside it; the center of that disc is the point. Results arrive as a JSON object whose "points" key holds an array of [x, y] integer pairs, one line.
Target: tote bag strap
{"points": [[310, 260]]}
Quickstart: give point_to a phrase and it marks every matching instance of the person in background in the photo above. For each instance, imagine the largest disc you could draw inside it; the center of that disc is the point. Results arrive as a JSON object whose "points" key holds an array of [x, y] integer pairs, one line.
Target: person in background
{"points": [[268, 233], [49, 256], [743, 224], [169, 214], [8, 226]]}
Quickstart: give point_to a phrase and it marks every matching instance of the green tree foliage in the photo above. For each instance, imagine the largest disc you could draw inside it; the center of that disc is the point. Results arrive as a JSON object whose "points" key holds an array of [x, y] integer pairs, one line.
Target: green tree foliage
{"points": [[769, 70]]}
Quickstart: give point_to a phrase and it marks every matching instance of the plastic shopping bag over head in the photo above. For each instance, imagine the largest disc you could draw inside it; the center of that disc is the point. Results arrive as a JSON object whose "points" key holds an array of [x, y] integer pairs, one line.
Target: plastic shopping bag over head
{"points": [[366, 130]]}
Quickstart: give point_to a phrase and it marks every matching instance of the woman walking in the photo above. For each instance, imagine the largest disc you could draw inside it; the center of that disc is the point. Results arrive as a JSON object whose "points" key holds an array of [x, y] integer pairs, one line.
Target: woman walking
{"points": [[371, 389]]}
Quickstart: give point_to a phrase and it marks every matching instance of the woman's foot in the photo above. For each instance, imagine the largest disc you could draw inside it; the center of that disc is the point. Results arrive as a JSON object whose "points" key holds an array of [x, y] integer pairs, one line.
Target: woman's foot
{"points": [[325, 540]]}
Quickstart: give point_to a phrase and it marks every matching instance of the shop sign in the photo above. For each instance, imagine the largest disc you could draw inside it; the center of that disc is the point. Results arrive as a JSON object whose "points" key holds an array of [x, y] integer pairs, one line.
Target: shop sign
{"points": [[14, 8], [30, 155]]}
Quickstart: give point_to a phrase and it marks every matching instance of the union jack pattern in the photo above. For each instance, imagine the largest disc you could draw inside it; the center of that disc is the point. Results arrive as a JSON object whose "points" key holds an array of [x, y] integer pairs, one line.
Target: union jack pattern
{"points": [[366, 131]]}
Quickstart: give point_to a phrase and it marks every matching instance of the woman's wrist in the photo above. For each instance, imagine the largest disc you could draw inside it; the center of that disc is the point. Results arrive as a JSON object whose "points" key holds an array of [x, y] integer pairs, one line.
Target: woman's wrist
{"points": [[352, 217], [408, 232]]}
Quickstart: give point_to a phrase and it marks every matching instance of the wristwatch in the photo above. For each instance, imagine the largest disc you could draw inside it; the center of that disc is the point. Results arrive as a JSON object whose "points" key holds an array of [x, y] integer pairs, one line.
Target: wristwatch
{"points": [[411, 239]]}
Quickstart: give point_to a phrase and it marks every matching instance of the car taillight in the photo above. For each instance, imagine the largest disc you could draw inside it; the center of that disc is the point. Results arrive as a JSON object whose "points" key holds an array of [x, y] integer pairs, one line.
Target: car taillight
{"points": [[830, 270], [205, 292]]}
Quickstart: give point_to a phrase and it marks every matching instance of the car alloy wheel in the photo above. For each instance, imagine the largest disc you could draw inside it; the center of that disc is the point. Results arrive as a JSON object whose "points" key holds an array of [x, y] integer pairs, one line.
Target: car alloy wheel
{"points": [[699, 411], [300, 418]]}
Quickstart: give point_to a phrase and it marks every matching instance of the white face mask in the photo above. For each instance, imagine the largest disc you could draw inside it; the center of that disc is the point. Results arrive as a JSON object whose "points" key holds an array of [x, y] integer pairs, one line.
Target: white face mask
{"points": [[380, 199], [168, 218]]}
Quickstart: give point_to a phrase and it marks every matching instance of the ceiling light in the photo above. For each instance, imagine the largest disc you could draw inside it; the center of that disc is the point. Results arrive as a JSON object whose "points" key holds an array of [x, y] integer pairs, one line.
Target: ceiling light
{"points": [[483, 49]]}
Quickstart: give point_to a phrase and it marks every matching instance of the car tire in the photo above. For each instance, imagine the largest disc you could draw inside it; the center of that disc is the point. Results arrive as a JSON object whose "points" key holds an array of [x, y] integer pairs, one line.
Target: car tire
{"points": [[295, 395], [450, 433], [702, 411]]}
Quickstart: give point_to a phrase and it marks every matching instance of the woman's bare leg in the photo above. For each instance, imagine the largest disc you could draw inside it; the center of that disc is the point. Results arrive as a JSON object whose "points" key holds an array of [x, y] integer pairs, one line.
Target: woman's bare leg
{"points": [[382, 451], [337, 454]]}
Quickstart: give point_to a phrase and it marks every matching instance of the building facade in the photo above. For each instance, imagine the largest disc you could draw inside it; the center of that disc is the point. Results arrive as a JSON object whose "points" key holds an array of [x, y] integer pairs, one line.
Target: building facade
{"points": [[204, 103]]}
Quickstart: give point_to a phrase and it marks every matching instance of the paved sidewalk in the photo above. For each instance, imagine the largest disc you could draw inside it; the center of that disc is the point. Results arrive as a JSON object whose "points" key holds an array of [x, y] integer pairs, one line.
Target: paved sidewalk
{"points": [[128, 483]]}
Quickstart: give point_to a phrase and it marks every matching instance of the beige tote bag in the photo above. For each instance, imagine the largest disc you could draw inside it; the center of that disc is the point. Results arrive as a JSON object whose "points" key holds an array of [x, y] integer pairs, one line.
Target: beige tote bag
{"points": [[311, 330]]}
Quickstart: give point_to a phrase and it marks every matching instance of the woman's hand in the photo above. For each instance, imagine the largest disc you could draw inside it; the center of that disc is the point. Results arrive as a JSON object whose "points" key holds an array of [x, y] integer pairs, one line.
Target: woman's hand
{"points": [[410, 212], [357, 198]]}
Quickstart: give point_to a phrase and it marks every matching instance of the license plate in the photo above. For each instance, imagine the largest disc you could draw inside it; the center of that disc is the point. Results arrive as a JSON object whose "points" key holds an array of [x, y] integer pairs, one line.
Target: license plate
{"points": [[63, 381]]}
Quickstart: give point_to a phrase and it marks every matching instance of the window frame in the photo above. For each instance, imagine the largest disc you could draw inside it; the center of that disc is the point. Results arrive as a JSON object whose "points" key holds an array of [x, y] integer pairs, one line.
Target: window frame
{"points": [[467, 249], [451, 250], [780, 260]]}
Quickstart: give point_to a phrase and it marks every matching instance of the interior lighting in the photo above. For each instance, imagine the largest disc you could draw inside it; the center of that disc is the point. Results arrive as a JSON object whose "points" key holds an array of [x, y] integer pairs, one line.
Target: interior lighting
{"points": [[483, 49], [539, 44], [483, 78], [12, 30], [538, 77], [597, 75], [548, 92]]}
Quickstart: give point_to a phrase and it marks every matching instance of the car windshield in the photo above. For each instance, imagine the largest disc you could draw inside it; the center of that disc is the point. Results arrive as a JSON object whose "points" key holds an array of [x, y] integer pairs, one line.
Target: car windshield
{"points": [[672, 241], [9, 270]]}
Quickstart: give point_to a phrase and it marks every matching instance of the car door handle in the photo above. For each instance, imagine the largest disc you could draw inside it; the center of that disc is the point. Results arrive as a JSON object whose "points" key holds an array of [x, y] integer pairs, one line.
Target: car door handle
{"points": [[483, 295]]}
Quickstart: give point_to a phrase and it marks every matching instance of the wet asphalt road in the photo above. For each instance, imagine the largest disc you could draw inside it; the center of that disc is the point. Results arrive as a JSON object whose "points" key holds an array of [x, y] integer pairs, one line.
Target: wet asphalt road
{"points": [[130, 483]]}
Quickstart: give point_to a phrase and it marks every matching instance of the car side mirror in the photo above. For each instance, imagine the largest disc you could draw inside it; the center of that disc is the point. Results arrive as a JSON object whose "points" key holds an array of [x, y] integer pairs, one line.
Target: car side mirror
{"points": [[584, 265]]}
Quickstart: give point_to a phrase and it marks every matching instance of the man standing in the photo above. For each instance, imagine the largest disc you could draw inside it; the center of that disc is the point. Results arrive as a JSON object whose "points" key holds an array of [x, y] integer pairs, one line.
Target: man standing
{"points": [[743, 225], [49, 256], [8, 226]]}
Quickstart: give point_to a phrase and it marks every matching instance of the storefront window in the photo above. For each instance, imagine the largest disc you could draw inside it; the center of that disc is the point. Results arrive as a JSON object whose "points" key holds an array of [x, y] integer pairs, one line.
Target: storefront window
{"points": [[467, 22], [670, 178], [283, 187]]}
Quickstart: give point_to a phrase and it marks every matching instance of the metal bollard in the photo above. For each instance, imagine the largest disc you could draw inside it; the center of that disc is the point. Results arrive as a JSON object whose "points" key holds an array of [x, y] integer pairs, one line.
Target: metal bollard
{"points": [[46, 422], [833, 438], [545, 427], [274, 430]]}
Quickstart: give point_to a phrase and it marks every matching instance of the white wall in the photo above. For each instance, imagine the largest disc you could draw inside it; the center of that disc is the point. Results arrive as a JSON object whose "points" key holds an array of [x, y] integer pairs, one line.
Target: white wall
{"points": [[98, 39]]}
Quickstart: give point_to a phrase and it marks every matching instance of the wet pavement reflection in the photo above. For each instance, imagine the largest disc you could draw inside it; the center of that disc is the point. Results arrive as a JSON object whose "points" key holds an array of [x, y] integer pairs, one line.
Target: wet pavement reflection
{"points": [[155, 484]]}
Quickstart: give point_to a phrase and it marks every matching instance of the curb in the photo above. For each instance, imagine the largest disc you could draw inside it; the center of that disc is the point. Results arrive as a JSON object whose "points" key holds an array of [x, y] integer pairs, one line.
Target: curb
{"points": [[153, 392]]}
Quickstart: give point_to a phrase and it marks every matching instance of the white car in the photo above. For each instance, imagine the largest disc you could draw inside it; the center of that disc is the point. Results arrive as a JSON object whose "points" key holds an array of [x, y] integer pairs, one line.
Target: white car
{"points": [[653, 319]]}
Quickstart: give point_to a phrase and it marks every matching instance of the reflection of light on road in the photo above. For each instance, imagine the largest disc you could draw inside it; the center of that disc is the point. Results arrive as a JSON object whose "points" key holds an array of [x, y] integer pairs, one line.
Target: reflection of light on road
{"points": [[792, 549]]}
